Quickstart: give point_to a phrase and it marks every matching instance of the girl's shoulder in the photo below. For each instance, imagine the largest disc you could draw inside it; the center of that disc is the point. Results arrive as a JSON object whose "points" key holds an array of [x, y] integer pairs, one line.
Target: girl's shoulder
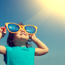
{"points": [[2, 49]]}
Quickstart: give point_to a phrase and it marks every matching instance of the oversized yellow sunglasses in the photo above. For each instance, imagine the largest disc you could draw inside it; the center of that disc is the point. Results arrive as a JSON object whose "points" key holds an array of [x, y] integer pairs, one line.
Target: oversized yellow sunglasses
{"points": [[14, 28]]}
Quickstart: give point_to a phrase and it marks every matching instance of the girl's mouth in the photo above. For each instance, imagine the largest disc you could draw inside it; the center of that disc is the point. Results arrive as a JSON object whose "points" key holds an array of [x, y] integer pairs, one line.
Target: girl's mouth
{"points": [[22, 34]]}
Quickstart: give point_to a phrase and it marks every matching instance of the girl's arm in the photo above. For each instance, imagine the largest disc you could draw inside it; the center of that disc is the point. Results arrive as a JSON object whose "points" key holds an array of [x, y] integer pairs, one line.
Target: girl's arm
{"points": [[0, 33], [2, 48], [42, 48]]}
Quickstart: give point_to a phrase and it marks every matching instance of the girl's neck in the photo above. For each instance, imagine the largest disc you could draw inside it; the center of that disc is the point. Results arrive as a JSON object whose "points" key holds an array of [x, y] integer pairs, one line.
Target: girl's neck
{"points": [[20, 43]]}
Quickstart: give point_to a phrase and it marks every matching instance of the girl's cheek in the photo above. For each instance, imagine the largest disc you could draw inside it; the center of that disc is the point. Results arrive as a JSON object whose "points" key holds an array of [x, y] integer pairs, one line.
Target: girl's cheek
{"points": [[16, 35]]}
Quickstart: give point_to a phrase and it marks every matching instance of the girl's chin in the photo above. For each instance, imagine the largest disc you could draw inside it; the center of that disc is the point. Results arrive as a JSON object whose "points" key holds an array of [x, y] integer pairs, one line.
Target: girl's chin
{"points": [[22, 37]]}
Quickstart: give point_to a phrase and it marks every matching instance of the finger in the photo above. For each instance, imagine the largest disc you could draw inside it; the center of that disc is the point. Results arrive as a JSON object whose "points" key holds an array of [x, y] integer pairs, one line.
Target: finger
{"points": [[5, 31], [1, 30]]}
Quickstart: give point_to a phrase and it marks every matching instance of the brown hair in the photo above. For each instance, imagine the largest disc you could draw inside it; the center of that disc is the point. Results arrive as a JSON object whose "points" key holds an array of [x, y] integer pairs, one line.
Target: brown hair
{"points": [[10, 39]]}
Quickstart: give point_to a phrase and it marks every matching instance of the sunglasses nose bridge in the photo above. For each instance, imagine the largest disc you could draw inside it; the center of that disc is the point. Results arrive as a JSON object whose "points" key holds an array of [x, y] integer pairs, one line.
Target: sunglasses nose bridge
{"points": [[22, 28]]}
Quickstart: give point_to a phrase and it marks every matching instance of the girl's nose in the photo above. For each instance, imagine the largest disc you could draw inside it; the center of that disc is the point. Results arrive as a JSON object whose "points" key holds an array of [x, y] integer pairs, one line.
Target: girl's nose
{"points": [[22, 30]]}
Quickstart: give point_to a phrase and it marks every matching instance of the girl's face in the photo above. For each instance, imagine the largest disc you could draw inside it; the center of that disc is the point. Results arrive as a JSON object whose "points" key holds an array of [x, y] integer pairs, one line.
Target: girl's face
{"points": [[21, 35]]}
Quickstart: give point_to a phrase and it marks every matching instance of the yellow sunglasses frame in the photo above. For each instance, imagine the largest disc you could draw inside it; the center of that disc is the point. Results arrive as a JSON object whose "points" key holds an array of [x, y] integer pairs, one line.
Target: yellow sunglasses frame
{"points": [[6, 24]]}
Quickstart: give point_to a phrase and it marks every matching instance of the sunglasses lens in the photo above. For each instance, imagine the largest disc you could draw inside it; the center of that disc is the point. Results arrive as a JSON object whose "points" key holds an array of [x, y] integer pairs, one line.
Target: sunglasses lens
{"points": [[13, 27], [30, 29]]}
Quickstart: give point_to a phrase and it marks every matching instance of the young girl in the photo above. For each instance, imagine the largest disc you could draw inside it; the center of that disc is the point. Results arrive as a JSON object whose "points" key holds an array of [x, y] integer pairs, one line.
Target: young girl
{"points": [[18, 51]]}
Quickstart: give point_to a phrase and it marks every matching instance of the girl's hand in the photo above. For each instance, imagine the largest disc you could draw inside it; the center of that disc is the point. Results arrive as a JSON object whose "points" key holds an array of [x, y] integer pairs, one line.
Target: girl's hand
{"points": [[2, 32], [32, 37]]}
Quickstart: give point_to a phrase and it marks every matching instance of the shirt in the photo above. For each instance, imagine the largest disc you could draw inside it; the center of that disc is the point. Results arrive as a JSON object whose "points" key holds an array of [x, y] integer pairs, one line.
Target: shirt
{"points": [[19, 55]]}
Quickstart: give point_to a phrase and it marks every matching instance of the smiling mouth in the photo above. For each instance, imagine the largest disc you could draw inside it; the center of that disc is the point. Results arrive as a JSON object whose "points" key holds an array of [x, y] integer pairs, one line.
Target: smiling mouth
{"points": [[22, 34]]}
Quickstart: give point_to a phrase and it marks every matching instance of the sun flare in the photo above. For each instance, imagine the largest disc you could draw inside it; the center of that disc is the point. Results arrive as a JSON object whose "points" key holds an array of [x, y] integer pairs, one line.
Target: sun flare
{"points": [[56, 6]]}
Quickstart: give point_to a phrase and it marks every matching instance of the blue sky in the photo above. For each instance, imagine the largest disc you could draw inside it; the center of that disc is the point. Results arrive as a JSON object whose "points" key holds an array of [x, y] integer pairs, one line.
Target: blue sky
{"points": [[48, 16]]}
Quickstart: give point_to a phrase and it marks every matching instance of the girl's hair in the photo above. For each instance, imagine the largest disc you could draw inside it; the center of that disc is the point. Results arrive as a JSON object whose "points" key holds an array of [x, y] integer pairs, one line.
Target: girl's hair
{"points": [[10, 39]]}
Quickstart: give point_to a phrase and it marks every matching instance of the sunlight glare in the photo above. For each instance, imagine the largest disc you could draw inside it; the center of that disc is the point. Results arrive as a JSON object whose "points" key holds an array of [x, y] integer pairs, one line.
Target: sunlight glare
{"points": [[56, 6]]}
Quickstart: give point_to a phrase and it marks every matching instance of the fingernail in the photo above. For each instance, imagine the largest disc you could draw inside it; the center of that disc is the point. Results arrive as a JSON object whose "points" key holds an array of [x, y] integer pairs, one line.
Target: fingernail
{"points": [[4, 29]]}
